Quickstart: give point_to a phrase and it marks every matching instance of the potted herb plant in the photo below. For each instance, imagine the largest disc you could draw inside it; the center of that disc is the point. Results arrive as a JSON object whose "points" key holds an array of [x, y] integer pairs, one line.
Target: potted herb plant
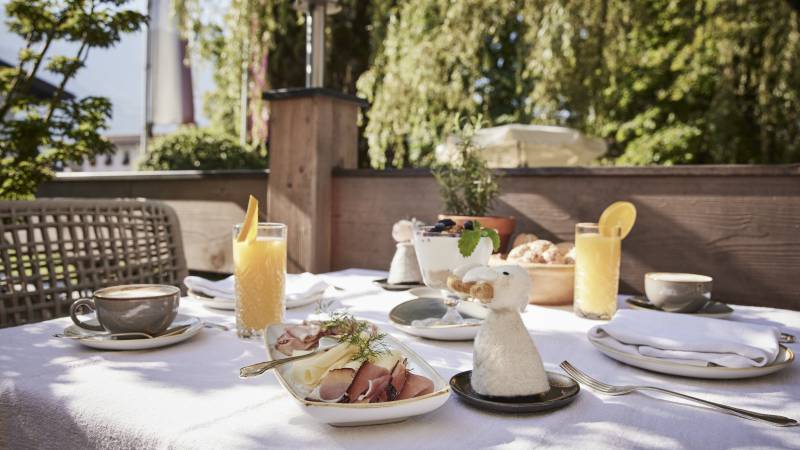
{"points": [[469, 187]]}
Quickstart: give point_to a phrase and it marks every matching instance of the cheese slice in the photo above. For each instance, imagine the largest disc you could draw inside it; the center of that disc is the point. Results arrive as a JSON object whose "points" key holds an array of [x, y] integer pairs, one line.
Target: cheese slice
{"points": [[310, 371]]}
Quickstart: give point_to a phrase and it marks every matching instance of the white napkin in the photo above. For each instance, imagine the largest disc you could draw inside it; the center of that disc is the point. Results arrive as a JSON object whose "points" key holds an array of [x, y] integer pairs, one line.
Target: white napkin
{"points": [[684, 339], [298, 287]]}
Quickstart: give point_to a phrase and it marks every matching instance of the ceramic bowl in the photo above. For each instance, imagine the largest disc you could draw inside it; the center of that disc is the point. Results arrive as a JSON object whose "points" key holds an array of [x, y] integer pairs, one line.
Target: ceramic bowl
{"points": [[552, 284]]}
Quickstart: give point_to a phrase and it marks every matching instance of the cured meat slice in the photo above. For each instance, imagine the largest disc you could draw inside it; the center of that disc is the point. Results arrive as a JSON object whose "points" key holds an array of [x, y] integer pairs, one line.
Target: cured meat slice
{"points": [[399, 375], [415, 386], [298, 337], [334, 385], [364, 379]]}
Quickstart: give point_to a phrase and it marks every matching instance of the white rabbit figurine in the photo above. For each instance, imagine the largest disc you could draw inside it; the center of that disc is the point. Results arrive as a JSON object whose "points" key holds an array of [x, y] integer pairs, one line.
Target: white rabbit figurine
{"points": [[505, 359]]}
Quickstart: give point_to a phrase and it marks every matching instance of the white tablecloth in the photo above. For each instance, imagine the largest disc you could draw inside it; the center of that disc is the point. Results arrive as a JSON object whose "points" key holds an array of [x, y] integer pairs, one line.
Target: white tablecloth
{"points": [[57, 394]]}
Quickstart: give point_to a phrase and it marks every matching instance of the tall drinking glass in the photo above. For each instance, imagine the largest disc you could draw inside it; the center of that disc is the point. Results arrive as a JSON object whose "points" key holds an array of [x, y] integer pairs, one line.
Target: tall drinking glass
{"points": [[597, 257], [259, 266]]}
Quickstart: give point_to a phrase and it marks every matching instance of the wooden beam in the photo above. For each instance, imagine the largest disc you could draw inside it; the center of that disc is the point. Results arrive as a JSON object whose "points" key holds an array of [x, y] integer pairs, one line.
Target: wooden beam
{"points": [[312, 131]]}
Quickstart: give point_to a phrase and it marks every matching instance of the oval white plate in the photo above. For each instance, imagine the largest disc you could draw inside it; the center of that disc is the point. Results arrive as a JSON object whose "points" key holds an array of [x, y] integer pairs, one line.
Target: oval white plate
{"points": [[354, 414], [195, 325], [403, 315], [230, 304], [784, 360]]}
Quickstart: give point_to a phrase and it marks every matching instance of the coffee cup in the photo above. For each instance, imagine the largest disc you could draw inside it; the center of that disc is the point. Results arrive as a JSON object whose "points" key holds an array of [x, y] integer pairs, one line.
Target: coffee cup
{"points": [[677, 292], [144, 308]]}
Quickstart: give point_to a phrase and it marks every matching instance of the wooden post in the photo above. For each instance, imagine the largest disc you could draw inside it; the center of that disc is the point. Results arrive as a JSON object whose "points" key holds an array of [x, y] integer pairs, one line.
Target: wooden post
{"points": [[312, 131]]}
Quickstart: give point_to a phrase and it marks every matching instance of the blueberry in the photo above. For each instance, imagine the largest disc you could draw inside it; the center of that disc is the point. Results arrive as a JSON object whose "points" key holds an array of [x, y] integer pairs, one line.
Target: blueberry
{"points": [[468, 225], [438, 228], [446, 223]]}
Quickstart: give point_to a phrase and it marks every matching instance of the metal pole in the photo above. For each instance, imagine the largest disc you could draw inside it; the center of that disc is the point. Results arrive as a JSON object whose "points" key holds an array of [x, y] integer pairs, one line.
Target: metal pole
{"points": [[147, 128], [309, 39], [318, 45]]}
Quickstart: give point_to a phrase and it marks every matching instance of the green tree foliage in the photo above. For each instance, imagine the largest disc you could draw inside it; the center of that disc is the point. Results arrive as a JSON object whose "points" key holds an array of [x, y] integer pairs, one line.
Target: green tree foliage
{"points": [[263, 42], [663, 81], [39, 135], [191, 148]]}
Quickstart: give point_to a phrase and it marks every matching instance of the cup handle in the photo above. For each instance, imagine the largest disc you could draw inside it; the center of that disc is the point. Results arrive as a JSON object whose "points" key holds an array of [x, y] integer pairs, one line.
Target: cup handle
{"points": [[88, 302]]}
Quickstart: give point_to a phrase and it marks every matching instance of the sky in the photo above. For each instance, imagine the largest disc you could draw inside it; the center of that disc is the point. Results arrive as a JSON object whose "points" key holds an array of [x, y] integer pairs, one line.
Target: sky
{"points": [[116, 73]]}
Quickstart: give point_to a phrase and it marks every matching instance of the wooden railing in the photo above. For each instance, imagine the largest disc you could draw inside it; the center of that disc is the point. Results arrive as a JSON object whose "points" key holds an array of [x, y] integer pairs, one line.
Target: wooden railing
{"points": [[739, 224]]}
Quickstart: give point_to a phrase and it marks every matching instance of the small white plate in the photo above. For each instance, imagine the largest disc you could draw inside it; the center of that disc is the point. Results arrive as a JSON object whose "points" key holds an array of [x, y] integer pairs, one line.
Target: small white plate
{"points": [[90, 338], [403, 315], [354, 414], [784, 360], [229, 304], [425, 291]]}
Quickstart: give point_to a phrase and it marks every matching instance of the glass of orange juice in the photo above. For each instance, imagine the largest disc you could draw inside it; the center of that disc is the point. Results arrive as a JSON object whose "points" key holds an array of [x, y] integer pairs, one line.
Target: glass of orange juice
{"points": [[259, 266], [597, 258]]}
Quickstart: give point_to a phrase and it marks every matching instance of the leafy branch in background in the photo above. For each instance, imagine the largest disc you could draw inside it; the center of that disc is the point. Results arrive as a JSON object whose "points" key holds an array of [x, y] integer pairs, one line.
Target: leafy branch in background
{"points": [[466, 183], [39, 135]]}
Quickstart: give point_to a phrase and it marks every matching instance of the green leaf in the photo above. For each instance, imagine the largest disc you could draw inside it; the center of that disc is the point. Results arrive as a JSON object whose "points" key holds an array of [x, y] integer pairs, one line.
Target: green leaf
{"points": [[491, 233], [468, 241]]}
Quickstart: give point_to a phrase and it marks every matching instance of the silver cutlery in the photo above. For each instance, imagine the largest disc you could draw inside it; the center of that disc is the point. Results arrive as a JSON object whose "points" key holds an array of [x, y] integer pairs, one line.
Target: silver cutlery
{"points": [[215, 325], [787, 338], [605, 388], [133, 334], [259, 368]]}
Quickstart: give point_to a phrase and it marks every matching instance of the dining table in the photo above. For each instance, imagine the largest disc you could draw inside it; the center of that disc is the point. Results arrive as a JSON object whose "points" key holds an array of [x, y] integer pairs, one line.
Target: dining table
{"points": [[56, 393]]}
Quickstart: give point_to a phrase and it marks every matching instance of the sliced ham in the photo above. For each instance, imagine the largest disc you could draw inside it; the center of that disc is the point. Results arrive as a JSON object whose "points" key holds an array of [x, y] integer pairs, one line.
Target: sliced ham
{"points": [[365, 379], [399, 375], [334, 385], [415, 386], [376, 390], [298, 337]]}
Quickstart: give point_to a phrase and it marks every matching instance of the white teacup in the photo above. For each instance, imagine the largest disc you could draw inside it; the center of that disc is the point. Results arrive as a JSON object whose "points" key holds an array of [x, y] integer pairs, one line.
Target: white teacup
{"points": [[677, 292]]}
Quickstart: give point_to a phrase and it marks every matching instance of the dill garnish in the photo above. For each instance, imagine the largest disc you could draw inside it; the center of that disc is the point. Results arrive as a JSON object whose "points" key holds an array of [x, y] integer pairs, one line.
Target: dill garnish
{"points": [[359, 333]]}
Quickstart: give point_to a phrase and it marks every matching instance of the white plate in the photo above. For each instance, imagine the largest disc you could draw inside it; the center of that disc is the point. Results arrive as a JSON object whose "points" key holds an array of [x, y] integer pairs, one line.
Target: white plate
{"points": [[228, 304], [89, 338], [403, 316], [784, 360], [354, 414]]}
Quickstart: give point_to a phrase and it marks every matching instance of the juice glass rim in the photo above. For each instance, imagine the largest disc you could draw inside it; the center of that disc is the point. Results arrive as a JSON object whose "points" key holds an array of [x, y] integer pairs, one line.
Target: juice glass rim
{"points": [[264, 225], [616, 229]]}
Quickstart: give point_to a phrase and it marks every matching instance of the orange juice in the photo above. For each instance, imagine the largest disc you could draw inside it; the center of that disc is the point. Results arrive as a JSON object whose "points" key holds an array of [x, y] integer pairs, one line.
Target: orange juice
{"points": [[597, 258], [260, 274]]}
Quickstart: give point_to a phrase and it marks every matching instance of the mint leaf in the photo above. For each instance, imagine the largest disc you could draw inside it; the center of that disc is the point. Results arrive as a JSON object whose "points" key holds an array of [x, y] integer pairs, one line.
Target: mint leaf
{"points": [[468, 241], [491, 233]]}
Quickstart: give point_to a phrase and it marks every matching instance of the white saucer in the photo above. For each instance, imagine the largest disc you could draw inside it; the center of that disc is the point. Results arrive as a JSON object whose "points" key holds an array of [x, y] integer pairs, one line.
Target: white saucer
{"points": [[403, 315], [784, 360], [91, 338], [229, 304]]}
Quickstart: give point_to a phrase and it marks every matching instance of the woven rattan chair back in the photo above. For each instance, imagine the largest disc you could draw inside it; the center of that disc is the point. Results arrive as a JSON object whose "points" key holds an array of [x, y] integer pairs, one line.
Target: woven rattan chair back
{"points": [[54, 251]]}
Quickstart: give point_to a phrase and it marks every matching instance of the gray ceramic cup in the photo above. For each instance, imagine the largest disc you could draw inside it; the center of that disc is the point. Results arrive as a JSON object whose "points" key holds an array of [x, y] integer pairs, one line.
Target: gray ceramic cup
{"points": [[677, 292], [144, 308]]}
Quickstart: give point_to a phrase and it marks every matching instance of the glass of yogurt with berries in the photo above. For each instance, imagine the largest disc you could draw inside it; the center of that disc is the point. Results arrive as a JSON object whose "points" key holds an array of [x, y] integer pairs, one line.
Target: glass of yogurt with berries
{"points": [[439, 255]]}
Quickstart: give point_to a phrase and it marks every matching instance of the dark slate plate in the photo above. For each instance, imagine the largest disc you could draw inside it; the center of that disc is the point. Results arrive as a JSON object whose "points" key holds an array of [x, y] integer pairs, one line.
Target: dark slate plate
{"points": [[396, 287], [711, 309], [563, 391]]}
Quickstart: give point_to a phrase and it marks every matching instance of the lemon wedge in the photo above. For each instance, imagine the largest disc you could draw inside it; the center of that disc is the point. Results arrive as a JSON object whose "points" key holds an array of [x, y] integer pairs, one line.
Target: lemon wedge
{"points": [[621, 214], [250, 225]]}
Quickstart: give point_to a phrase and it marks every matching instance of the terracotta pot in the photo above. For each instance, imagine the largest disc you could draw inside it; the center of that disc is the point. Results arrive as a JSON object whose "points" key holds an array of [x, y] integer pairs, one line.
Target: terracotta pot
{"points": [[503, 225]]}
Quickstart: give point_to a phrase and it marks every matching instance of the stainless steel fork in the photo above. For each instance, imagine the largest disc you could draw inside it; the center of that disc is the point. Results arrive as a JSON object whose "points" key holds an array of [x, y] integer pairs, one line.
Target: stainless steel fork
{"points": [[605, 388]]}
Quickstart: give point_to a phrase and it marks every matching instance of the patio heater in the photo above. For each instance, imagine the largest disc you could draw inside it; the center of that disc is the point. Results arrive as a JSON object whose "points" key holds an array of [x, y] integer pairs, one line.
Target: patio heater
{"points": [[315, 11]]}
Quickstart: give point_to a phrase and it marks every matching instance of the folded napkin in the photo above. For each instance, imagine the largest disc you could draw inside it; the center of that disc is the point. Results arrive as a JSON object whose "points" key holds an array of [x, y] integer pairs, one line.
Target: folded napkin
{"points": [[298, 286], [684, 339]]}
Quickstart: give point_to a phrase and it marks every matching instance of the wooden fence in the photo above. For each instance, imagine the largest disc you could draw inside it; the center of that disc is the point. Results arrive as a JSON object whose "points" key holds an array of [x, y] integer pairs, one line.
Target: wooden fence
{"points": [[739, 224]]}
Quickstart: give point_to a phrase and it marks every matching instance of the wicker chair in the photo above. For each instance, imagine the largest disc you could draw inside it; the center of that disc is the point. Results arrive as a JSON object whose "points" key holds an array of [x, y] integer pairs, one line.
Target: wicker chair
{"points": [[54, 251]]}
